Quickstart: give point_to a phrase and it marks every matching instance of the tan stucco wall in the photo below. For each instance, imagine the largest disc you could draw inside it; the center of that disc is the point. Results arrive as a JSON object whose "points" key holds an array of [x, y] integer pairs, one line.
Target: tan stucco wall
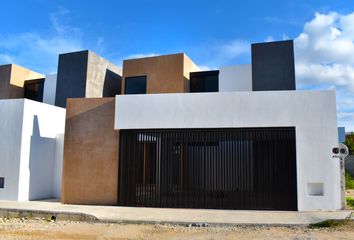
{"points": [[12, 79], [90, 168], [165, 74]]}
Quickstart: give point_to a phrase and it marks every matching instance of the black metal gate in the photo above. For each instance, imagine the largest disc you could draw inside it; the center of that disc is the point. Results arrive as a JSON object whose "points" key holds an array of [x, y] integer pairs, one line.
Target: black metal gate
{"points": [[239, 168]]}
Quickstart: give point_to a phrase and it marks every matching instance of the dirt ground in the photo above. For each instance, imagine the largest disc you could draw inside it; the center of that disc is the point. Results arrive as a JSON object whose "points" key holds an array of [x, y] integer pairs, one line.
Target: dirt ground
{"points": [[23, 229], [349, 193]]}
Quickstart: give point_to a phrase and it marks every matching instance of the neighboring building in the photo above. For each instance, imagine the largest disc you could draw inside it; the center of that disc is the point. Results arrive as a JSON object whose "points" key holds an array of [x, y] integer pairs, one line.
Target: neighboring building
{"points": [[85, 74], [31, 147], [341, 134], [32, 132], [13, 79], [235, 138]]}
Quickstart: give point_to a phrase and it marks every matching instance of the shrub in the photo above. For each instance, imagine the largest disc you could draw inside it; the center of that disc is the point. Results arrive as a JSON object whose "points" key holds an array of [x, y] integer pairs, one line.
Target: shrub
{"points": [[349, 181], [350, 202]]}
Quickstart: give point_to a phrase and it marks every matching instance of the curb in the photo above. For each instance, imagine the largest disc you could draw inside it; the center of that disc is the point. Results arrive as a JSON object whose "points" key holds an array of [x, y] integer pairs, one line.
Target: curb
{"points": [[49, 215], [83, 217], [199, 224]]}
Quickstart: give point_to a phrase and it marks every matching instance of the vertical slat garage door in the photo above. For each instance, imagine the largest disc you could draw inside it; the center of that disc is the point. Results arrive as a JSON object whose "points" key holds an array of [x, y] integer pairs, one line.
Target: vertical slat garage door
{"points": [[253, 168]]}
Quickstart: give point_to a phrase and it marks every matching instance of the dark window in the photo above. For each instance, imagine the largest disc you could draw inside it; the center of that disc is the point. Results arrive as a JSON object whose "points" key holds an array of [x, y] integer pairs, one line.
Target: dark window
{"points": [[207, 81], [135, 85], [2, 182], [33, 89]]}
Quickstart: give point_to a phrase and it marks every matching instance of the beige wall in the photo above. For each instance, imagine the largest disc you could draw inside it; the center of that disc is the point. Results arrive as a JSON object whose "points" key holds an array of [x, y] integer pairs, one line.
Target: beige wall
{"points": [[12, 79], [90, 168], [188, 67], [96, 72], [165, 74]]}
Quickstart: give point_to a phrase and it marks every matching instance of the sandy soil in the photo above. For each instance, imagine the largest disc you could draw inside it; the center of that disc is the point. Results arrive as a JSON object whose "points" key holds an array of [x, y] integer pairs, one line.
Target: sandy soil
{"points": [[41, 229], [349, 193]]}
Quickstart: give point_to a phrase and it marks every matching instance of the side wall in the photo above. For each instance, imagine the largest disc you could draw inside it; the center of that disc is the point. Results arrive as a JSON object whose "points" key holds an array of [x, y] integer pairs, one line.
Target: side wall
{"points": [[90, 168], [49, 91], [71, 79], [58, 165], [5, 76], [11, 112], [41, 125], [235, 78], [273, 66], [302, 109]]}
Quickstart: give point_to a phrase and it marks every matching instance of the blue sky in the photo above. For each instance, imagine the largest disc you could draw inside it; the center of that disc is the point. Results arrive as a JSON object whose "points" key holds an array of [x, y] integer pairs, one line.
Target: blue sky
{"points": [[212, 33]]}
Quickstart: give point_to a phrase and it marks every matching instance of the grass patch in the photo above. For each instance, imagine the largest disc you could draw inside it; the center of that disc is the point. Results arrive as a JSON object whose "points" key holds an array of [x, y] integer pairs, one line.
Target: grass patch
{"points": [[349, 181], [350, 202], [332, 223], [329, 224]]}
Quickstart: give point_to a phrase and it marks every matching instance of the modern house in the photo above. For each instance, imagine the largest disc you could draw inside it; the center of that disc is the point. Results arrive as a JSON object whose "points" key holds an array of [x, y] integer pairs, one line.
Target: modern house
{"points": [[167, 134], [235, 138]]}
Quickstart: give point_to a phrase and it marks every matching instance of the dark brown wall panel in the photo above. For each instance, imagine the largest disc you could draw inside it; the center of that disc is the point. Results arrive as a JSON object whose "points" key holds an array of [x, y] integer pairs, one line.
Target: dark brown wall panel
{"points": [[90, 152]]}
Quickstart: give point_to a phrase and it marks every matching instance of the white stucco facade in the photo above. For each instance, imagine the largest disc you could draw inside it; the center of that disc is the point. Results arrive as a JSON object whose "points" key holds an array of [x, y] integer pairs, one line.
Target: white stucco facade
{"points": [[312, 113], [31, 149], [235, 78]]}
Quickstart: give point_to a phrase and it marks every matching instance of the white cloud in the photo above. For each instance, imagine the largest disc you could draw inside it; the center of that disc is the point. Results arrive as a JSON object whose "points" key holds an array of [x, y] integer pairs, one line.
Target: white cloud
{"points": [[269, 39], [324, 54], [4, 58], [234, 49], [204, 68], [141, 55], [100, 45], [39, 51], [219, 54]]}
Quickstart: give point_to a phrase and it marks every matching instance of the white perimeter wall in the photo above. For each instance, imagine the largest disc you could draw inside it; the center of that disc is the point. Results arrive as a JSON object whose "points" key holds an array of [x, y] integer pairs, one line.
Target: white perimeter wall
{"points": [[37, 152], [41, 125], [49, 91], [235, 78], [11, 112], [313, 113]]}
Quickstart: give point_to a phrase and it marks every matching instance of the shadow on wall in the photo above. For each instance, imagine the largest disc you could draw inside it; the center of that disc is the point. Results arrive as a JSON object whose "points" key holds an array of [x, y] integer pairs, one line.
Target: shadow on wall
{"points": [[187, 85], [41, 164], [112, 84], [11, 91]]}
